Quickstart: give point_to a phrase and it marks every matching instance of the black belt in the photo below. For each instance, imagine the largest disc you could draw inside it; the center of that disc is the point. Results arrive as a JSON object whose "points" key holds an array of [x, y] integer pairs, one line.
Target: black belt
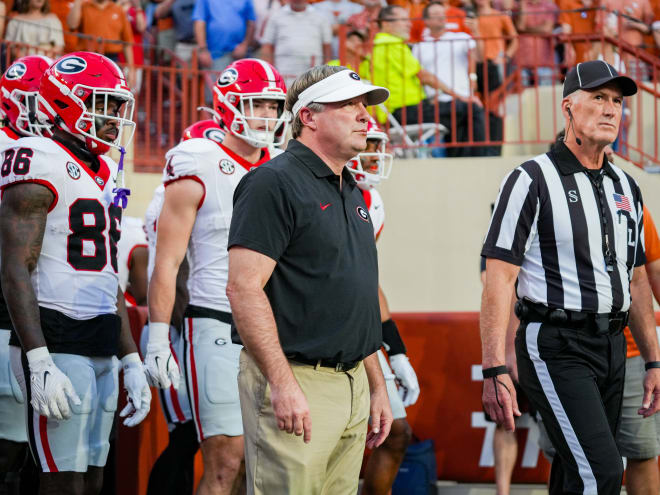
{"points": [[326, 363], [193, 311], [600, 323]]}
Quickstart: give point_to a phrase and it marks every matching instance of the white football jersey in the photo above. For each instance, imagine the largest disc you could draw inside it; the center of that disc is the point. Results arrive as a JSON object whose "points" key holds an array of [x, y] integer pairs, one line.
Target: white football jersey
{"points": [[132, 236], [77, 269], [7, 137], [151, 225], [376, 209], [219, 170]]}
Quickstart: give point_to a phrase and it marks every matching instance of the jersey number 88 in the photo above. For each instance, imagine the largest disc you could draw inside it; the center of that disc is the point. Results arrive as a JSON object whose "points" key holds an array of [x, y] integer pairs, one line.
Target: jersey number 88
{"points": [[87, 222]]}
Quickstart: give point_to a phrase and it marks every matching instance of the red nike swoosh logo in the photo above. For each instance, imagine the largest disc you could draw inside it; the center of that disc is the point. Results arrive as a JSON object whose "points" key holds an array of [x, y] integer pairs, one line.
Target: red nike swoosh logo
{"points": [[323, 207]]}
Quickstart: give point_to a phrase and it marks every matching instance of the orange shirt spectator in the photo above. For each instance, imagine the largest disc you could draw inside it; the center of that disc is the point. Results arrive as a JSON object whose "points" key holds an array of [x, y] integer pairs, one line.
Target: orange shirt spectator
{"points": [[652, 248], [535, 22], [494, 27], [578, 17], [635, 21], [61, 9], [104, 21]]}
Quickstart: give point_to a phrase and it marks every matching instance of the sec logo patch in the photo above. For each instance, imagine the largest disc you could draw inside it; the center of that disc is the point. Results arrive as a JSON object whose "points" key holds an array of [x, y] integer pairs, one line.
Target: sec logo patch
{"points": [[362, 213], [73, 170], [227, 166]]}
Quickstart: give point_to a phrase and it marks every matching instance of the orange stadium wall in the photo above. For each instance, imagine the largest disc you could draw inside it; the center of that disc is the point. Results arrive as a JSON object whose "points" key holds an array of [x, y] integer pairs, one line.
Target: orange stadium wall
{"points": [[445, 350]]}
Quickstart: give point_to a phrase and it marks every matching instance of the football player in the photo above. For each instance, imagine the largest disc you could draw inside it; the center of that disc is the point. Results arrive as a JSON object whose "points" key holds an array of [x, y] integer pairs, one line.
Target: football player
{"points": [[59, 230], [173, 471], [19, 89], [208, 129], [132, 260], [200, 178], [369, 168]]}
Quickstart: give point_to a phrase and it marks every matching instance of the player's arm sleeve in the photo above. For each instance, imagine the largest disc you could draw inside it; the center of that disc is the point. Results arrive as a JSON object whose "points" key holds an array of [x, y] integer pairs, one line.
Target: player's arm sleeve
{"points": [[515, 213], [23, 164], [263, 216], [186, 162], [651, 239], [392, 338]]}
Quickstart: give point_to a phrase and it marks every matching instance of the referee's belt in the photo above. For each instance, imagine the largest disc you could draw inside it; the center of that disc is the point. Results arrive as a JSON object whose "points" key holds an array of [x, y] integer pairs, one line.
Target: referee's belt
{"points": [[600, 323], [326, 363]]}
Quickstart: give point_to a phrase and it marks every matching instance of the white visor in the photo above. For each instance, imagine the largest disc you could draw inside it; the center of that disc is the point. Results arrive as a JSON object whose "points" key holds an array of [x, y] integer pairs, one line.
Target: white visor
{"points": [[340, 86]]}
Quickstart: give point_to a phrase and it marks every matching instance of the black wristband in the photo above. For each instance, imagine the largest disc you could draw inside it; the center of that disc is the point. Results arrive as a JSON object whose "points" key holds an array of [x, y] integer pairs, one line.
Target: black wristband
{"points": [[494, 371], [652, 364], [391, 338]]}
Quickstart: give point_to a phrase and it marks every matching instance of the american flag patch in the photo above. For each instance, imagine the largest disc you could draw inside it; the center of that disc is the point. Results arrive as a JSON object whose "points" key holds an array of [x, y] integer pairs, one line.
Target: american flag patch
{"points": [[621, 202]]}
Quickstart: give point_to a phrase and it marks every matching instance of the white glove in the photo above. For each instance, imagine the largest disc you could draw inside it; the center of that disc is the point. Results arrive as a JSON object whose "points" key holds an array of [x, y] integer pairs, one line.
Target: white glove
{"points": [[137, 388], [51, 389], [405, 375], [160, 367]]}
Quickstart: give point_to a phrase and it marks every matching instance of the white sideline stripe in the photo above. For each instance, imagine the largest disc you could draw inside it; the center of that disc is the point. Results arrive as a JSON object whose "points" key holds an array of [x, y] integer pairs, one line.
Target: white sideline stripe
{"points": [[587, 475]]}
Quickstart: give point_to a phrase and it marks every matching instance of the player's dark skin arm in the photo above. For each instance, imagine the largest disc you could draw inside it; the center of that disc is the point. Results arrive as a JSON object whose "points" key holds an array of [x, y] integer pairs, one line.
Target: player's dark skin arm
{"points": [[137, 276], [126, 342], [23, 214]]}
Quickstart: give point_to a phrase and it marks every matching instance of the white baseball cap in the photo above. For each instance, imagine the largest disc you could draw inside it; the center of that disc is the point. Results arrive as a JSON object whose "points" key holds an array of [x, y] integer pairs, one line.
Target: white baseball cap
{"points": [[340, 86]]}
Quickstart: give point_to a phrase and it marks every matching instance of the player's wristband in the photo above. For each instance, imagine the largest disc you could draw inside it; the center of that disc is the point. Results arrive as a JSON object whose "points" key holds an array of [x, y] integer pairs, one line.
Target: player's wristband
{"points": [[652, 364], [494, 371], [392, 339]]}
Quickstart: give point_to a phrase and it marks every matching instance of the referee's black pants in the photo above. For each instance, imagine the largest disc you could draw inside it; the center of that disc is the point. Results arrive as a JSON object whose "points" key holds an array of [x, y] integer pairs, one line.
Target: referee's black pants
{"points": [[574, 378]]}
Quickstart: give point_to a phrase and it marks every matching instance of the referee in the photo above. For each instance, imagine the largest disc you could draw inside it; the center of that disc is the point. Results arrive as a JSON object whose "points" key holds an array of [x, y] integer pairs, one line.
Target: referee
{"points": [[568, 227]]}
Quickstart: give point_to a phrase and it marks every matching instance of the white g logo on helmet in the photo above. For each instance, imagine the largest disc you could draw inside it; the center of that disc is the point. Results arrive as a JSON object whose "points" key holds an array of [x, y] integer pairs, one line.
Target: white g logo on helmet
{"points": [[228, 77], [71, 65], [16, 71]]}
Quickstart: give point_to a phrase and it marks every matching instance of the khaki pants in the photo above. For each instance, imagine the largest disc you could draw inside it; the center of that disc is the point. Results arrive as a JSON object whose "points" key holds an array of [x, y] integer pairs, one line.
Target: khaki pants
{"points": [[277, 462]]}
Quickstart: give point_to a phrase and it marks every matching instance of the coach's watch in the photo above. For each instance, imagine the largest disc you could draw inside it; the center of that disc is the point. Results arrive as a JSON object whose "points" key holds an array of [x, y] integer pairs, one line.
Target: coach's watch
{"points": [[652, 364]]}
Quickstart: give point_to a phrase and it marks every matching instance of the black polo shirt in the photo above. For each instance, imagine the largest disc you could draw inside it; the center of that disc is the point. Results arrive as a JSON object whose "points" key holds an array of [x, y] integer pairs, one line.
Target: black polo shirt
{"points": [[324, 288]]}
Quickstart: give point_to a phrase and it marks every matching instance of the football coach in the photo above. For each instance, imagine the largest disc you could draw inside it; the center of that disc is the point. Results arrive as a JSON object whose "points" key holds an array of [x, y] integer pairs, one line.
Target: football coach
{"points": [[303, 288], [568, 226]]}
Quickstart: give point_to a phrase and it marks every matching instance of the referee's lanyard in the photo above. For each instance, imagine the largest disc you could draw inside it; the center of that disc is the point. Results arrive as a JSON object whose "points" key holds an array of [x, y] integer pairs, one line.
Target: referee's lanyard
{"points": [[610, 258]]}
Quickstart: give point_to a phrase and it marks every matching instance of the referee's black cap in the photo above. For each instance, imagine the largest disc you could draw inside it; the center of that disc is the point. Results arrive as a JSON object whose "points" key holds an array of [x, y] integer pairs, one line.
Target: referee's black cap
{"points": [[594, 74]]}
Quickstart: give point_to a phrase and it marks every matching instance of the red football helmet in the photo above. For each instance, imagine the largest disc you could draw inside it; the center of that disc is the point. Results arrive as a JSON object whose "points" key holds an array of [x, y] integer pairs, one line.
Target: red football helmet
{"points": [[369, 167], [71, 90], [205, 129], [234, 93], [19, 95]]}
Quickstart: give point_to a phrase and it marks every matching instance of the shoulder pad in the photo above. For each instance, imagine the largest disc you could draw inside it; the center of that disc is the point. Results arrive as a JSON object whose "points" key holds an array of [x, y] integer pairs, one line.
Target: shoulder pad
{"points": [[188, 158], [35, 159]]}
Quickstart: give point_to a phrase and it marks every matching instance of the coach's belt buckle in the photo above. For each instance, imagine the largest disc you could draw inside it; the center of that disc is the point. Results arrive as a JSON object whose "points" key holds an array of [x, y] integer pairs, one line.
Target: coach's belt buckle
{"points": [[339, 367]]}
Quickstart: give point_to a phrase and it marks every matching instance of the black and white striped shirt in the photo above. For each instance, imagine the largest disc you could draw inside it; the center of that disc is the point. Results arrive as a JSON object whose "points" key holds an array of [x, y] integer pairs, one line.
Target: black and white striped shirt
{"points": [[547, 220]]}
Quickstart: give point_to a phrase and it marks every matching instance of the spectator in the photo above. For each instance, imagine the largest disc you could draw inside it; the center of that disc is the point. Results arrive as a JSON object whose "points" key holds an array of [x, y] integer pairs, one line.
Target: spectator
{"points": [[181, 12], [355, 58], [455, 18], [295, 39], [535, 22], [500, 46], [34, 25], [223, 34], [264, 9], [61, 9], [165, 33], [577, 17], [365, 21], [395, 67], [631, 20], [138, 22], [337, 13], [451, 57], [415, 10], [107, 31]]}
